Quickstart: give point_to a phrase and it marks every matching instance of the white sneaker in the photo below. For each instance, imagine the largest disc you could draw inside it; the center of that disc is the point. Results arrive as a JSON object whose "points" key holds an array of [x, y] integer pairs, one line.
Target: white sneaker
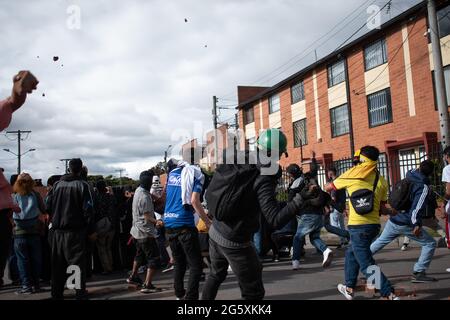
{"points": [[327, 258], [448, 270], [404, 247], [295, 264], [343, 289]]}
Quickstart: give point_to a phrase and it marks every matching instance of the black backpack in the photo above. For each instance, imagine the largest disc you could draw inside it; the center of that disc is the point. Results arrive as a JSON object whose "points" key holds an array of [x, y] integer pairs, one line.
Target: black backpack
{"points": [[230, 184], [399, 198]]}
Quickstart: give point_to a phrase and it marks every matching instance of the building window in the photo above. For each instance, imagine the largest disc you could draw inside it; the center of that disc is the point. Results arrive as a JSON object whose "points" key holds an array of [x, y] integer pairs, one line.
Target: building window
{"points": [[300, 133], [443, 16], [447, 85], [274, 103], [380, 108], [297, 92], [336, 73], [339, 121], [375, 54], [249, 116]]}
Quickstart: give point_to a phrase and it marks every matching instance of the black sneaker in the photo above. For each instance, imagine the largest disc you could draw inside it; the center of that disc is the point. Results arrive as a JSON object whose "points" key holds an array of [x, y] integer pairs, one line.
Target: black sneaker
{"points": [[150, 288], [25, 291], [135, 280], [421, 277]]}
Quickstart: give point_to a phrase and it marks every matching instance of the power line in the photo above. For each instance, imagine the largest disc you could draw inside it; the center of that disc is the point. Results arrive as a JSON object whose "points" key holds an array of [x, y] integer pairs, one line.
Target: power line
{"points": [[314, 42]]}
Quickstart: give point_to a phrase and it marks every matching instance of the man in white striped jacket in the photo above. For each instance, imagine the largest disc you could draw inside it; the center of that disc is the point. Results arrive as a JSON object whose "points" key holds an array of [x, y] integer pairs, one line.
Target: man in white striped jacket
{"points": [[409, 222]]}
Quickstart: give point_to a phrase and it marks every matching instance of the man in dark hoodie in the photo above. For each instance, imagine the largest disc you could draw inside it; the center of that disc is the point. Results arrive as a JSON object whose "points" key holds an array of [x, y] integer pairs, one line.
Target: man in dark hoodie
{"points": [[230, 240], [70, 205], [409, 222]]}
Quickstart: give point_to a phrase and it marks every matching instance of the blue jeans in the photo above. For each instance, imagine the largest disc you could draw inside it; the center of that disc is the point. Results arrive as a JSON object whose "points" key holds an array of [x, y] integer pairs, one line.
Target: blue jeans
{"points": [[257, 240], [29, 259], [308, 224], [338, 225], [358, 257], [392, 231]]}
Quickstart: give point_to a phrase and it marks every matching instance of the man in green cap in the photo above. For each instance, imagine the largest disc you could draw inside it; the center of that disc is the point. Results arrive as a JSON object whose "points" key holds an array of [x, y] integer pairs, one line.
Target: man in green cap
{"points": [[237, 195]]}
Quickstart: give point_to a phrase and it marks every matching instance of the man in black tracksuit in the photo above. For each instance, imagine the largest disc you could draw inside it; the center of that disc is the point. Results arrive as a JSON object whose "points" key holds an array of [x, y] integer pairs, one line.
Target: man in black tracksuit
{"points": [[70, 205], [231, 241]]}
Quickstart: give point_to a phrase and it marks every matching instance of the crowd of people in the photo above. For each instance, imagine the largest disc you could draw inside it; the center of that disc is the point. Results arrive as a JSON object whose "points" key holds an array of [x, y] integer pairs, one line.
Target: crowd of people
{"points": [[227, 222]]}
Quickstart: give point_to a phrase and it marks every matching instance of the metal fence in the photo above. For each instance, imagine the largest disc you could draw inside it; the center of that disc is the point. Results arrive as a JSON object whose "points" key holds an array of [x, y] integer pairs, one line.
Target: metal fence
{"points": [[393, 170]]}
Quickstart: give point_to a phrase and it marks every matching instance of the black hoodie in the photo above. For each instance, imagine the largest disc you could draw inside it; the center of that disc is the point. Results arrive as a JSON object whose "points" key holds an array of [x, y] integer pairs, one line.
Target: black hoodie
{"points": [[70, 204]]}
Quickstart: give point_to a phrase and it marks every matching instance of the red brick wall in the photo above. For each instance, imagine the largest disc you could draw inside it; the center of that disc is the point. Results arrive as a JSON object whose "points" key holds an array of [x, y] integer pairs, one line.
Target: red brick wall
{"points": [[403, 126]]}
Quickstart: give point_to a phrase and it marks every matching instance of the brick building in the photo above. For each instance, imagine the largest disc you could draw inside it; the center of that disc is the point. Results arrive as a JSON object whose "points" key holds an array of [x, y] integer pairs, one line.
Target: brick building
{"points": [[377, 89]]}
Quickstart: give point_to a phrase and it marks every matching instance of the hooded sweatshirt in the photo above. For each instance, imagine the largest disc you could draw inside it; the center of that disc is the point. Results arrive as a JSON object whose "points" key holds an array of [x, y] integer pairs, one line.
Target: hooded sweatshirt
{"points": [[71, 205], [419, 196]]}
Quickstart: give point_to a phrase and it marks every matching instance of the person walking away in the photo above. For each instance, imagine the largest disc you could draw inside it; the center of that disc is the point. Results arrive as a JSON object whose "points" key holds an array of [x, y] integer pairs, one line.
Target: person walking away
{"points": [[368, 196], [184, 188], [27, 243], [105, 217], [251, 190], [409, 220], [144, 233], [71, 208]]}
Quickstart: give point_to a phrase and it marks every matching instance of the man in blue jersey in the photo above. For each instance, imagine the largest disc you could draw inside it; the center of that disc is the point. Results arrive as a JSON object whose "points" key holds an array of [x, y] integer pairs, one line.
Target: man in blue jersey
{"points": [[184, 187]]}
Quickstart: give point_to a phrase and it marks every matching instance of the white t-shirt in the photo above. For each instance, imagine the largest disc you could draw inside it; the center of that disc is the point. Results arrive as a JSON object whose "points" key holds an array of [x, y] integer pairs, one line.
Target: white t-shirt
{"points": [[446, 179]]}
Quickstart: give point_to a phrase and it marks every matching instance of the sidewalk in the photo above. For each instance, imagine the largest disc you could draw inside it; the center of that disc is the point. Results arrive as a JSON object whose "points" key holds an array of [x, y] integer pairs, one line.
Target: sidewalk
{"points": [[310, 282]]}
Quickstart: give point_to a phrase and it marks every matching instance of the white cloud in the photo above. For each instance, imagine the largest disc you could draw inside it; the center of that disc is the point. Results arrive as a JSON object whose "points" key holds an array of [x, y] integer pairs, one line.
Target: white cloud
{"points": [[135, 71]]}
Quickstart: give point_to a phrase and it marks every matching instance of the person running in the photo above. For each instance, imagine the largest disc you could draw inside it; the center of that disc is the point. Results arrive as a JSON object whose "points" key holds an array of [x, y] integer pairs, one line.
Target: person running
{"points": [[71, 207], [27, 242], [368, 189], [183, 190], [409, 222], [144, 233], [310, 222], [235, 222]]}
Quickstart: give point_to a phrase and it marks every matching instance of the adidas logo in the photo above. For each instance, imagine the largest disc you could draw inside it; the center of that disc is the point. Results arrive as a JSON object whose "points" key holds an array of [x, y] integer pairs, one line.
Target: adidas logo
{"points": [[362, 203]]}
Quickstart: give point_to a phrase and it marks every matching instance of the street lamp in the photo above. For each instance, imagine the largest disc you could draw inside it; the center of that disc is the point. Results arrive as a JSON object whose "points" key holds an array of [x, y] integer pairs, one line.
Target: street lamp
{"points": [[19, 158]]}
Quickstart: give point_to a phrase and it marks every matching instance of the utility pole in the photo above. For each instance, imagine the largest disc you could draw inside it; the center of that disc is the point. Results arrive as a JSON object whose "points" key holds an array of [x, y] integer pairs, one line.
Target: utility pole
{"points": [[19, 152], [216, 145], [66, 164], [349, 108], [441, 97], [120, 175]]}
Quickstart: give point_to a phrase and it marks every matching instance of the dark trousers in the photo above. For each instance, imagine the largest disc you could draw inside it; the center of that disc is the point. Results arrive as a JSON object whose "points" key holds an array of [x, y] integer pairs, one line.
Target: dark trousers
{"points": [[68, 248], [46, 255], [281, 240], [186, 252], [245, 265], [5, 241]]}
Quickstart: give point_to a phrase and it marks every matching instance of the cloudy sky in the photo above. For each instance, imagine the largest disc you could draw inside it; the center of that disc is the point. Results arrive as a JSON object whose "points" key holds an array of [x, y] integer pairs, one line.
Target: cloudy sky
{"points": [[135, 77]]}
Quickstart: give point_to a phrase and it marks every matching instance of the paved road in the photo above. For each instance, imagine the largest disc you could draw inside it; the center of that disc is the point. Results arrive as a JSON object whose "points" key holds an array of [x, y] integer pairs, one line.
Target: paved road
{"points": [[310, 282]]}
